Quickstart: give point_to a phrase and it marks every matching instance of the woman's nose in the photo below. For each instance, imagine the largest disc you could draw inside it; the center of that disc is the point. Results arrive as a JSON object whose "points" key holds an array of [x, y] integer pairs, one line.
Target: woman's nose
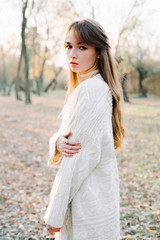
{"points": [[73, 53]]}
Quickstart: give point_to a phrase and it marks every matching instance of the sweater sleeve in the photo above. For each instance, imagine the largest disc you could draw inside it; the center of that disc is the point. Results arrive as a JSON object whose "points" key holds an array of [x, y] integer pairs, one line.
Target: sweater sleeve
{"points": [[55, 156], [86, 127]]}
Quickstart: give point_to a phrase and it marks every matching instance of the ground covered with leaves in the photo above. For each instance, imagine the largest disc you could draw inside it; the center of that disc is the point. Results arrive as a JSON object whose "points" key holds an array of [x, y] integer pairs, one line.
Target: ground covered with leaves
{"points": [[26, 180]]}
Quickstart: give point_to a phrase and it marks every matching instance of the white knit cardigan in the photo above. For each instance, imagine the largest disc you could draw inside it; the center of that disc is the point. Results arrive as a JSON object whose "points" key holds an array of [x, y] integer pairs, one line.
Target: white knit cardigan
{"points": [[84, 200]]}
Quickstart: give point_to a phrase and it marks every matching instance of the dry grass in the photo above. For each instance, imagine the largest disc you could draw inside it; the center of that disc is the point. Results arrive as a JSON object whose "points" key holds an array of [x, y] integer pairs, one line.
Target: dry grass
{"points": [[26, 180]]}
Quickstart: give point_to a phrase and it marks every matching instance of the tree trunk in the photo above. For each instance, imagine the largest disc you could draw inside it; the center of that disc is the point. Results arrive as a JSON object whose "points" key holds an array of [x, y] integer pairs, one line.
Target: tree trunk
{"points": [[43, 64], [143, 92], [18, 97], [50, 84], [24, 51], [38, 88], [10, 87], [4, 78], [125, 95], [41, 75], [53, 81]]}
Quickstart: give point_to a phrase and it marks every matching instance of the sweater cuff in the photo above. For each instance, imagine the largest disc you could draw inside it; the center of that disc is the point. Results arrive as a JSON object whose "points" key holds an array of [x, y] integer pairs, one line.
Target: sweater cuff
{"points": [[55, 156], [48, 220]]}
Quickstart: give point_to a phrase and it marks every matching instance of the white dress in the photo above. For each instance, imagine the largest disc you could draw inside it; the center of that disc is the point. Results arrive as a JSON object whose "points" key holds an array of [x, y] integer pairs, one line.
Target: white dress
{"points": [[84, 200]]}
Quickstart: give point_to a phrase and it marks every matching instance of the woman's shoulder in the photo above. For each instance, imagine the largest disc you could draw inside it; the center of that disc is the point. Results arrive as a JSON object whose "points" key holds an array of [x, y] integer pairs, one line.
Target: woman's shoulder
{"points": [[95, 81], [95, 85], [93, 89]]}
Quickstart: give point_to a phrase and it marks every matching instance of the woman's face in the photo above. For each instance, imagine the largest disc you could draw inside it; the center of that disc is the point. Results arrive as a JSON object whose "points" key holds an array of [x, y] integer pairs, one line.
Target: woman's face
{"points": [[80, 57]]}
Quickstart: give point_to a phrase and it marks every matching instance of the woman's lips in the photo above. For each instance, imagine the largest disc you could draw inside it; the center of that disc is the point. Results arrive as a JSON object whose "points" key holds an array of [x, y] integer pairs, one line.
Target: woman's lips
{"points": [[73, 63]]}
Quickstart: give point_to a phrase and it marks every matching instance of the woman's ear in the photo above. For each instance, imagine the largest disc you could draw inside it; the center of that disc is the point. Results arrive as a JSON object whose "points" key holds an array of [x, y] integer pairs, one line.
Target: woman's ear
{"points": [[98, 53]]}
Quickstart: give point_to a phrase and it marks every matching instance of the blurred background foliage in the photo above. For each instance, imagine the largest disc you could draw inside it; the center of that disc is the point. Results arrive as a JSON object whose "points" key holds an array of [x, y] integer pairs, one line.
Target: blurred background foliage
{"points": [[32, 35]]}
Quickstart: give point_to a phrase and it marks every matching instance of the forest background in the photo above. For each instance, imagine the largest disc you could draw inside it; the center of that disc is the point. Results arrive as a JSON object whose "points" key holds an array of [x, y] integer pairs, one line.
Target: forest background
{"points": [[33, 82], [32, 38]]}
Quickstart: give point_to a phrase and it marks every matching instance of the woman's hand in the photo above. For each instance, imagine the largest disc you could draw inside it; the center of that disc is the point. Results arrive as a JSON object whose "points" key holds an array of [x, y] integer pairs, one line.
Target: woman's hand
{"points": [[52, 230], [69, 148]]}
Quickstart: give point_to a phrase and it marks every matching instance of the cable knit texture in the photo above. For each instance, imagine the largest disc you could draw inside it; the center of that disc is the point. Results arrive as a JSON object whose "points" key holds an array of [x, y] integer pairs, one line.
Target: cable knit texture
{"points": [[84, 199]]}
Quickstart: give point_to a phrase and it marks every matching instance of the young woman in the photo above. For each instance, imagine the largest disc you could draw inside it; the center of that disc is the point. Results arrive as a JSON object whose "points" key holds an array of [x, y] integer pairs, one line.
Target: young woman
{"points": [[84, 200]]}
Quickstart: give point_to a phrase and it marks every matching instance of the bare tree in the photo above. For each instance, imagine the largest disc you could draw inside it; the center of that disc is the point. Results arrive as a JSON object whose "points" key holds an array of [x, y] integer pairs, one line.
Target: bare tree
{"points": [[3, 74], [53, 82], [17, 79], [40, 79], [24, 51], [129, 23], [143, 68], [24, 55]]}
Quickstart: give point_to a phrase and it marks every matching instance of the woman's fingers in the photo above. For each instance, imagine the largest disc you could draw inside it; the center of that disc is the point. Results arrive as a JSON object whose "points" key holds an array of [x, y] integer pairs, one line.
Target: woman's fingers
{"points": [[67, 149], [66, 146], [52, 230], [74, 143], [56, 229], [70, 151], [67, 154]]}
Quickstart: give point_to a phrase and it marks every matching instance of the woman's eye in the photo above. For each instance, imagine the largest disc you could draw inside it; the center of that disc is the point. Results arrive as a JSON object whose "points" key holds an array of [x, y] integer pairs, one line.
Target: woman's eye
{"points": [[83, 48], [68, 46]]}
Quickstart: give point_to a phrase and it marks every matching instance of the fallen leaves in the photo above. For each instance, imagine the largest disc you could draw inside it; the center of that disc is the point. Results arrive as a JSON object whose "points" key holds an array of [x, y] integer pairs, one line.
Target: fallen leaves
{"points": [[36, 200], [139, 167], [151, 230], [27, 181]]}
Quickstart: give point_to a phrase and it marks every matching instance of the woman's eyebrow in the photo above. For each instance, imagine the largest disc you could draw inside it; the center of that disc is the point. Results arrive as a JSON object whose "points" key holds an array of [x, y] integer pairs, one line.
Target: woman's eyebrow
{"points": [[77, 43]]}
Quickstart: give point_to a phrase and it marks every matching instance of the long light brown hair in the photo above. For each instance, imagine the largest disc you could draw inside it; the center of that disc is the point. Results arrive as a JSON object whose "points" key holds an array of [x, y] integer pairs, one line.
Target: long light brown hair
{"points": [[90, 32]]}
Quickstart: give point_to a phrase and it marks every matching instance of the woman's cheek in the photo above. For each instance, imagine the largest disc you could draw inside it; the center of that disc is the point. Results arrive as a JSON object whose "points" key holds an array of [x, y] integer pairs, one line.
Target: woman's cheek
{"points": [[84, 58], [67, 54]]}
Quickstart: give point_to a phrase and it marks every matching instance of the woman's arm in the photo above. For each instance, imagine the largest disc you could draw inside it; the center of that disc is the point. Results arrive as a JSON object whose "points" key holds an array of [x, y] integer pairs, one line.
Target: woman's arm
{"points": [[86, 127], [58, 146], [55, 156]]}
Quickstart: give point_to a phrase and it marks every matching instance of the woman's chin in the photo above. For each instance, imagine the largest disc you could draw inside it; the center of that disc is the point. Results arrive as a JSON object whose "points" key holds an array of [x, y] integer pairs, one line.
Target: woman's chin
{"points": [[74, 70]]}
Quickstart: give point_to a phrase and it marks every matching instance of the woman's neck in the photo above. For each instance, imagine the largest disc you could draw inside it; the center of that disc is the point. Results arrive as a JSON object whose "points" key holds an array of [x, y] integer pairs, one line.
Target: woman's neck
{"points": [[87, 74]]}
